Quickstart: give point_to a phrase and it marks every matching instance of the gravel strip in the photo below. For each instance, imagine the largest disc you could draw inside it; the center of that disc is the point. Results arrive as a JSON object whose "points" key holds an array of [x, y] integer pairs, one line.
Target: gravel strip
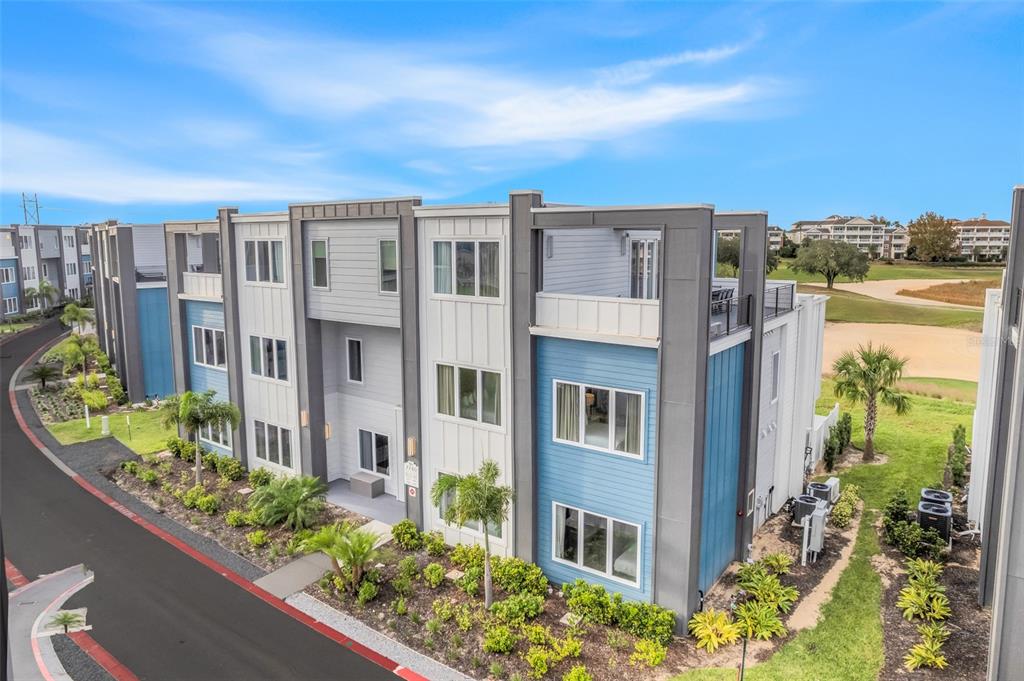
{"points": [[373, 639], [77, 663]]}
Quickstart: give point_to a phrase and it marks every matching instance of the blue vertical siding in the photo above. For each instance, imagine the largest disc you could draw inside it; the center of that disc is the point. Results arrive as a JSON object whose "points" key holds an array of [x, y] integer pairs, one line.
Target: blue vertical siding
{"points": [[721, 463], [86, 271], [604, 483], [10, 290], [201, 377], [155, 341]]}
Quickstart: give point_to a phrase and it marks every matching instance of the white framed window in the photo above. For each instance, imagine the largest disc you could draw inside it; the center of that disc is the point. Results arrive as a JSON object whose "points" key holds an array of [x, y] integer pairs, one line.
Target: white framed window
{"points": [[473, 526], [25, 241], [28, 272], [387, 265], [319, 266], [606, 419], [209, 348], [273, 443], [10, 305], [264, 261], [71, 268], [775, 376], [7, 275], [268, 357], [467, 268], [46, 270], [643, 268], [596, 543], [374, 452], [469, 394], [354, 357], [218, 435], [73, 293], [69, 240]]}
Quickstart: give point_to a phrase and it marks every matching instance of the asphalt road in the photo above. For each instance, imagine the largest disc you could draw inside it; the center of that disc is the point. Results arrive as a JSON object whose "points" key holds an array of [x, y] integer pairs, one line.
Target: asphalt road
{"points": [[158, 611]]}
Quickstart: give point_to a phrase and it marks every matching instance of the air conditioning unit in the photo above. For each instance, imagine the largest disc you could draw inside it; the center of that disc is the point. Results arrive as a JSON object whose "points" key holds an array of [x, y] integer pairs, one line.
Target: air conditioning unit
{"points": [[804, 506], [819, 490], [817, 538], [936, 516], [936, 496], [833, 490]]}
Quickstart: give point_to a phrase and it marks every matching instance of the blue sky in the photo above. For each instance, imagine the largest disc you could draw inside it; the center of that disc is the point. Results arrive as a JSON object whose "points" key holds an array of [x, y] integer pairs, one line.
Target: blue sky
{"points": [[151, 112]]}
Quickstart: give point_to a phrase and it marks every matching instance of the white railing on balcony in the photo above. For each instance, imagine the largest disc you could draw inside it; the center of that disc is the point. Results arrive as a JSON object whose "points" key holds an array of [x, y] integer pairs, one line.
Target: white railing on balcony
{"points": [[202, 285], [597, 315]]}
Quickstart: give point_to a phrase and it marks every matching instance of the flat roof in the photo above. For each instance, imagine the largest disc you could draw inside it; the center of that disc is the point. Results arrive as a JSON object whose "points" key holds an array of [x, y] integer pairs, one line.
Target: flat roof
{"points": [[606, 209]]}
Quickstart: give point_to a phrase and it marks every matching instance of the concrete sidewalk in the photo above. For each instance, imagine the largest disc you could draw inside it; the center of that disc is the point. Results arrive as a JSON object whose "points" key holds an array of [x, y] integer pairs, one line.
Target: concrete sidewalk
{"points": [[31, 609]]}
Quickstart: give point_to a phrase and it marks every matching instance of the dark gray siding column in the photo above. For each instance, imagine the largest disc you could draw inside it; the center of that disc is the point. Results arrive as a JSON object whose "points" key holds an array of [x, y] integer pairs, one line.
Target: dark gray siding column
{"points": [[408, 239], [176, 262], [132, 361], [98, 297], [229, 285], [526, 280]]}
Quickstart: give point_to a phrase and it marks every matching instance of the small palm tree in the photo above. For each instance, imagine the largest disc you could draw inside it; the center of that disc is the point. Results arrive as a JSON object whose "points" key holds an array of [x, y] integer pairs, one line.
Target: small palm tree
{"points": [[46, 292], [868, 376], [31, 295], [193, 412], [327, 540], [357, 550], [44, 373], [67, 619], [475, 498], [76, 316], [295, 501]]}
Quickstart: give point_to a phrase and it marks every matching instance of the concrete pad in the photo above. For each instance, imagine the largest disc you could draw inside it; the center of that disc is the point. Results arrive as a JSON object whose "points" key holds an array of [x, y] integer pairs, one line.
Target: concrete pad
{"points": [[381, 529], [295, 576]]}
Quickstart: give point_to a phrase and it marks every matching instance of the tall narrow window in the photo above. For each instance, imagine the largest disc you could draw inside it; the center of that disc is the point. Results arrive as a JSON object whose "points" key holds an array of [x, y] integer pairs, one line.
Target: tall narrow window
{"points": [[567, 527], [355, 360], [442, 267], [627, 422], [389, 266], [446, 389], [273, 446], [268, 357], [282, 360], [210, 355], [465, 268], [319, 254], [277, 261], [286, 447], [260, 430], [596, 414], [467, 393], [490, 397], [255, 355], [567, 412], [489, 269], [643, 269], [775, 376], [595, 542], [264, 260], [220, 356], [374, 452]]}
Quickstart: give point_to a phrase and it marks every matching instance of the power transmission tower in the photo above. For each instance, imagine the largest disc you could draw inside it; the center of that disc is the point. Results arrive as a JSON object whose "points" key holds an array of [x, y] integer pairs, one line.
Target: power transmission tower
{"points": [[30, 207]]}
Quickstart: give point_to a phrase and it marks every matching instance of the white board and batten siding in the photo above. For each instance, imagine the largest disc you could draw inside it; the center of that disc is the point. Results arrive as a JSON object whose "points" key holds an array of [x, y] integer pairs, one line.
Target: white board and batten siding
{"points": [[374, 405], [768, 431], [268, 310], [469, 332], [149, 248], [353, 293]]}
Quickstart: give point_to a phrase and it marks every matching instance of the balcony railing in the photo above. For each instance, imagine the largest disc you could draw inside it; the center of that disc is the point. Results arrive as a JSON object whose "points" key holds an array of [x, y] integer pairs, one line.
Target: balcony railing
{"points": [[148, 276], [599, 315], [200, 285], [728, 313], [778, 299]]}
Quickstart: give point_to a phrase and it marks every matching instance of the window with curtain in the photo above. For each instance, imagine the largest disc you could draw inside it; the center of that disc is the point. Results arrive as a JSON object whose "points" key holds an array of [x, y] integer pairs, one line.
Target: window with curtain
{"points": [[489, 268], [596, 543], [318, 251], [388, 266], [446, 389], [476, 270], [490, 397], [600, 418], [374, 452], [277, 262], [442, 267]]}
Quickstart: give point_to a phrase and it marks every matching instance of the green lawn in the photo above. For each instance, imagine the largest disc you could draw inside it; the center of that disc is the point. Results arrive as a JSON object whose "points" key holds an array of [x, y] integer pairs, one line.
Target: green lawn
{"points": [[844, 306], [15, 328], [847, 642], [946, 388], [880, 271], [147, 433]]}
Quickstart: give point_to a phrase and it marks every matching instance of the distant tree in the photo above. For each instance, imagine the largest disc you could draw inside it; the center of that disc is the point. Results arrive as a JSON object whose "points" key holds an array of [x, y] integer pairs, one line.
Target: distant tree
{"points": [[831, 259], [879, 220], [771, 262], [46, 292], [910, 253], [868, 376], [873, 251], [934, 237], [729, 253], [195, 411], [788, 249], [67, 619]]}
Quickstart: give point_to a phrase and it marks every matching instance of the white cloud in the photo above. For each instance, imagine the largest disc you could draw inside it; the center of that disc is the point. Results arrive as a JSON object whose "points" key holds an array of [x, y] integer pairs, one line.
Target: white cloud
{"points": [[640, 70]]}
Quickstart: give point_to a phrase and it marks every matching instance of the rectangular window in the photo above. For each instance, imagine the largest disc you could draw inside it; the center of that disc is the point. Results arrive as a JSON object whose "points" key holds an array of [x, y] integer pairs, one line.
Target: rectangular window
{"points": [[6, 275], [318, 251], [490, 397], [25, 241], [277, 262], [355, 360], [286, 447], [46, 270], [489, 269], [605, 545], [264, 261], [71, 268], [478, 394], [273, 443], [465, 268], [585, 415], [28, 272], [255, 355], [282, 360], [476, 270], [442, 267], [467, 394], [217, 434], [388, 266], [374, 452], [446, 390], [260, 430], [10, 305], [775, 376], [208, 347], [250, 261], [268, 357]]}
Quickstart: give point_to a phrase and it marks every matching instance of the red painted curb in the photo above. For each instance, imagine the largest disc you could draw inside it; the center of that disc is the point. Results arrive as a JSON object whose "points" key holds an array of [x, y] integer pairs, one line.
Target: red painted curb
{"points": [[102, 657], [14, 575], [214, 565]]}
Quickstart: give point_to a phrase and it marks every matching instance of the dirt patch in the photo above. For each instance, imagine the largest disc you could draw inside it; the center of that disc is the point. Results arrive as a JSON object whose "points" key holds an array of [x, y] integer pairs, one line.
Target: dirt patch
{"points": [[901, 290], [178, 474], [933, 351], [969, 293], [850, 457]]}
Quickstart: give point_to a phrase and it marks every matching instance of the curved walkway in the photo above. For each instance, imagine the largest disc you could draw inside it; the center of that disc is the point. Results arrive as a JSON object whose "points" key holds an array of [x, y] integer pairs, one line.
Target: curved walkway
{"points": [[888, 290]]}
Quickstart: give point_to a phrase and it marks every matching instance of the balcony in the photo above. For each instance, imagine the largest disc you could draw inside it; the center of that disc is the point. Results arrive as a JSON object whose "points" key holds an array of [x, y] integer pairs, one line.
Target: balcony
{"points": [[150, 276], [599, 316], [202, 285]]}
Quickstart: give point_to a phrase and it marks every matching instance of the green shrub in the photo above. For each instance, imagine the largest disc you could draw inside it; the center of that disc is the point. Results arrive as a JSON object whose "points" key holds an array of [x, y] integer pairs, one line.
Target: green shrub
{"points": [[537, 634], [570, 646], [131, 467], [409, 568], [577, 673], [433, 626], [464, 617], [435, 544], [236, 518], [229, 467], [917, 601], [259, 477], [444, 609], [174, 445], [648, 653], [208, 504], [516, 576], [433, 574], [850, 493], [295, 501], [148, 476], [759, 620], [779, 562], [842, 514], [96, 400], [257, 538], [406, 535], [713, 629], [748, 572], [117, 393], [920, 570], [465, 556], [367, 592], [832, 449], [590, 602], [402, 585], [192, 496], [499, 639], [925, 654], [188, 452], [518, 608], [914, 541], [399, 606], [540, 660], [897, 511], [469, 582], [645, 620]]}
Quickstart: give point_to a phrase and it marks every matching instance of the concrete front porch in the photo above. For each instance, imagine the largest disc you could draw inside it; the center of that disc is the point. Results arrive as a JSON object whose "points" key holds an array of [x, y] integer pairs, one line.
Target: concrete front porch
{"points": [[384, 507]]}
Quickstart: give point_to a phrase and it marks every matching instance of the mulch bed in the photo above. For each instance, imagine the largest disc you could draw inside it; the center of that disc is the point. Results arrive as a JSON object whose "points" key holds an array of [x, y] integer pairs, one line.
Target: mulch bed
{"points": [[53, 406], [850, 457], [182, 475]]}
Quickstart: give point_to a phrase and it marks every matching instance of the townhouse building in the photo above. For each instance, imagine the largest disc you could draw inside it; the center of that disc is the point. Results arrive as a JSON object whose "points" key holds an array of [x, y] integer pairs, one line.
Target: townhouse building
{"points": [[868, 236], [894, 246], [29, 254], [10, 274], [983, 239], [129, 281], [996, 491]]}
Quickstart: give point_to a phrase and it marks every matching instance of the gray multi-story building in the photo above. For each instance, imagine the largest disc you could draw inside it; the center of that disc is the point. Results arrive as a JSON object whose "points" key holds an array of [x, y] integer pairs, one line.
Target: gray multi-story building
{"points": [[60, 255]]}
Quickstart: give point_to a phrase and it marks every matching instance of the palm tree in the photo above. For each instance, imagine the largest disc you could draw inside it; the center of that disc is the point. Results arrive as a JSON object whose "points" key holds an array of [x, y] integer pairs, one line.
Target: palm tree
{"points": [[193, 412], [345, 545], [67, 619], [30, 295], [327, 540], [475, 498], [75, 315], [869, 376], [43, 373], [46, 292]]}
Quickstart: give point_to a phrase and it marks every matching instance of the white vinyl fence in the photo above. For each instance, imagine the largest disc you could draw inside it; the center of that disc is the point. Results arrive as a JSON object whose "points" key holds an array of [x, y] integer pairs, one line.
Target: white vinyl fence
{"points": [[817, 435]]}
